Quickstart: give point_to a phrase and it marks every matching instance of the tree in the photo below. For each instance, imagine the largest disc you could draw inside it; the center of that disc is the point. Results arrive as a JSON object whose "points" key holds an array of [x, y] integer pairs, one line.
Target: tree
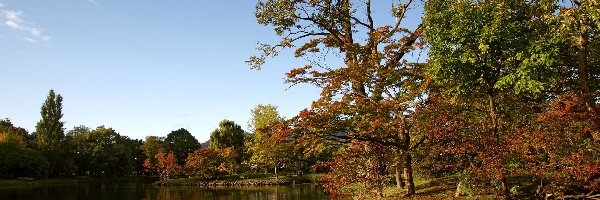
{"points": [[16, 159], [81, 148], [369, 97], [229, 134], [49, 130], [9, 130], [152, 145], [211, 163], [49, 135], [182, 142], [166, 165], [262, 145], [262, 116], [514, 59], [575, 37], [109, 154]]}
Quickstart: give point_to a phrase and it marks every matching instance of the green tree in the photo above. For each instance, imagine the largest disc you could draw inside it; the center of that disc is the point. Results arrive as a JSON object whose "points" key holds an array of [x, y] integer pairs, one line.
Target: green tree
{"points": [[576, 37], [514, 59], [81, 148], [134, 146], [262, 116], [109, 155], [266, 151], [182, 142], [229, 134], [260, 144], [49, 135], [49, 130], [16, 159]]}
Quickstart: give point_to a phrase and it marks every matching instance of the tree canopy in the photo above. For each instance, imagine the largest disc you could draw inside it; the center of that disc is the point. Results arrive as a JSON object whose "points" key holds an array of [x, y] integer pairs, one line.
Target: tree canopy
{"points": [[182, 142]]}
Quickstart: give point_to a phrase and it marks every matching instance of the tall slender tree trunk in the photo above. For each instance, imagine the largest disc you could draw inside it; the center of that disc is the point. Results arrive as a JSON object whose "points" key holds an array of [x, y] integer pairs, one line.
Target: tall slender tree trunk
{"points": [[492, 109], [276, 171], [504, 185], [583, 76]]}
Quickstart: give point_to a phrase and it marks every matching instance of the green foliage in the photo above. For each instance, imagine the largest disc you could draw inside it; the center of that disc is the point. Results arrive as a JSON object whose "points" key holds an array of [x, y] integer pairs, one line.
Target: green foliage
{"points": [[81, 148], [16, 159], [262, 145], [486, 46], [109, 153], [229, 134], [50, 136], [49, 130], [182, 142]]}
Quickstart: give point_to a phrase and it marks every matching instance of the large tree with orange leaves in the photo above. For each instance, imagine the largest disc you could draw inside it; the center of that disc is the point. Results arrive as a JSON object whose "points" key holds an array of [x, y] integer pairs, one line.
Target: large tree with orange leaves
{"points": [[366, 98]]}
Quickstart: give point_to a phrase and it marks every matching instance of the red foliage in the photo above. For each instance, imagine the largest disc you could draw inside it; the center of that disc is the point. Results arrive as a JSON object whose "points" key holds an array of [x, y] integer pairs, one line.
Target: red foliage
{"points": [[360, 163], [166, 165], [147, 164]]}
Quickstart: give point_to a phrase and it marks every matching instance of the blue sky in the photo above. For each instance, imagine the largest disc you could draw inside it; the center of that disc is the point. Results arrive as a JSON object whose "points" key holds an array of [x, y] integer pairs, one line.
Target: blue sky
{"points": [[140, 67]]}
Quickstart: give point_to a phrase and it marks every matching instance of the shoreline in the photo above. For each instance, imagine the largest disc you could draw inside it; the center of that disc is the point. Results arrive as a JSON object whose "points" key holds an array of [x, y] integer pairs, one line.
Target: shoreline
{"points": [[235, 182]]}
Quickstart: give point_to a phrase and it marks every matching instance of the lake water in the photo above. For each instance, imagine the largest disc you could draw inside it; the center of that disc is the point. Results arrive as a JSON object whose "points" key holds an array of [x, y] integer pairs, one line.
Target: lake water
{"points": [[141, 190]]}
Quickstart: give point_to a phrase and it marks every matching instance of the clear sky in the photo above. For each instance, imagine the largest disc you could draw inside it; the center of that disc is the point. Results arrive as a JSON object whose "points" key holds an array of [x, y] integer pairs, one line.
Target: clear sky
{"points": [[140, 67]]}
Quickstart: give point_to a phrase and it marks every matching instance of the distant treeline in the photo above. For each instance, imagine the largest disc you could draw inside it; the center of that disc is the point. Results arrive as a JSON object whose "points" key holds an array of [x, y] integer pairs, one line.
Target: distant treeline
{"points": [[103, 152]]}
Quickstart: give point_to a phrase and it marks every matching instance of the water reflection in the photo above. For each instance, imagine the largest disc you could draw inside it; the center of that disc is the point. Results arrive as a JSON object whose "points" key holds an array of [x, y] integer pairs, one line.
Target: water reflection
{"points": [[139, 190]]}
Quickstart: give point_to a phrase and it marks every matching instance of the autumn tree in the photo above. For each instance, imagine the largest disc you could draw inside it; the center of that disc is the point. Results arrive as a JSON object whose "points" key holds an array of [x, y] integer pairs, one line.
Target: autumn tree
{"points": [[366, 97], [182, 142], [151, 146], [211, 163], [166, 165], [262, 144]]}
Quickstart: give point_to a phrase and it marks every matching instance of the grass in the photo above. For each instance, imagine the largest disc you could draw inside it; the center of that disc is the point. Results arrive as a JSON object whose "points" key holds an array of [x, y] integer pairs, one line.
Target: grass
{"points": [[427, 188], [436, 188]]}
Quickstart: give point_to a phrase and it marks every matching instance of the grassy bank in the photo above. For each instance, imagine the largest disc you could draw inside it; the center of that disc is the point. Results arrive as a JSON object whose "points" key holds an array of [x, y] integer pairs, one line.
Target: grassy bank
{"points": [[426, 188], [23, 182], [237, 180]]}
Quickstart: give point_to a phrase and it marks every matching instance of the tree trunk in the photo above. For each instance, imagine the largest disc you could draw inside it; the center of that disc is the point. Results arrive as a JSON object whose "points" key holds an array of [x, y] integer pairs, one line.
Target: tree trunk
{"points": [[583, 77], [493, 112], [407, 159], [399, 182], [275, 170], [408, 174], [504, 186]]}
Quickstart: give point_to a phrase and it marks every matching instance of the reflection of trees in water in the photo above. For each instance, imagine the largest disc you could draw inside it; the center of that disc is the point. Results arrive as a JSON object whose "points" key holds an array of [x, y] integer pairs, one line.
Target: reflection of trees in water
{"points": [[141, 190]]}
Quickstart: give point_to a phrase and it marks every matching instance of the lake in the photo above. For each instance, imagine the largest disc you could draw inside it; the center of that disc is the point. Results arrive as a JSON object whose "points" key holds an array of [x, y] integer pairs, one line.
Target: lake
{"points": [[144, 190]]}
